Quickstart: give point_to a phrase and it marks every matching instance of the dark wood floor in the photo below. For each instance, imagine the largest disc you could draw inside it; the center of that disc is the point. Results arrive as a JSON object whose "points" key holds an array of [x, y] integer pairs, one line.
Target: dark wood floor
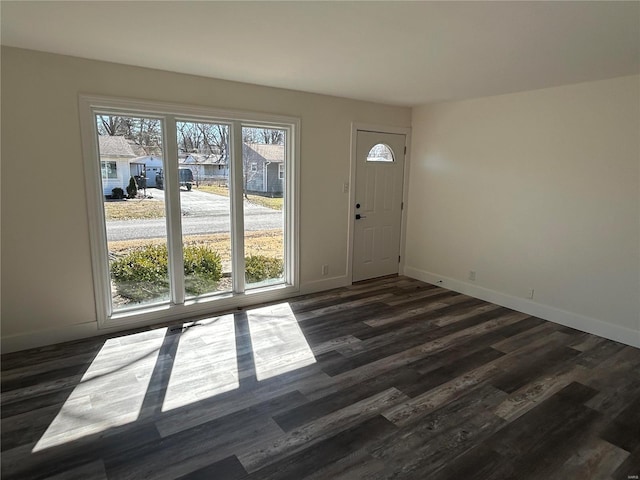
{"points": [[391, 378]]}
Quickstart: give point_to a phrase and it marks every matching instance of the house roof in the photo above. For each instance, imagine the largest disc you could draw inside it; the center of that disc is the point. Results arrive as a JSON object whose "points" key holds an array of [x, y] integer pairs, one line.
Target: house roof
{"points": [[201, 159], [118, 146], [148, 159], [268, 152], [253, 152], [115, 146]]}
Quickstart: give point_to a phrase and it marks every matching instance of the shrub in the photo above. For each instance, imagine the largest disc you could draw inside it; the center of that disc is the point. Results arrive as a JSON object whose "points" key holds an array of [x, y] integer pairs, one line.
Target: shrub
{"points": [[202, 269], [142, 274], [132, 188], [117, 193], [260, 267]]}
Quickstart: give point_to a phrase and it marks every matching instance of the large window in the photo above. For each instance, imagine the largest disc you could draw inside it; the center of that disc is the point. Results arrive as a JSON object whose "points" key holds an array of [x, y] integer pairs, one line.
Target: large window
{"points": [[172, 231]]}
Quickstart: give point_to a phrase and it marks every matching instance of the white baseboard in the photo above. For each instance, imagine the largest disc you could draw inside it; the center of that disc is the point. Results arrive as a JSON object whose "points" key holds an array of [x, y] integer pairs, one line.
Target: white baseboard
{"points": [[23, 341], [324, 284], [583, 323], [41, 338]]}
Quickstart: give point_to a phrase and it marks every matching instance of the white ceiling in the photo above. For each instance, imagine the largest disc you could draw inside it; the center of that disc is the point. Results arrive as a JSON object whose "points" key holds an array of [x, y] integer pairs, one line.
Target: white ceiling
{"points": [[403, 53]]}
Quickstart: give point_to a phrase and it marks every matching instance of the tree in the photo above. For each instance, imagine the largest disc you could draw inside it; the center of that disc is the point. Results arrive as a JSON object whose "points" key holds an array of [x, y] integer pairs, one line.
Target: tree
{"points": [[110, 125], [202, 141], [132, 188], [203, 138], [144, 132], [269, 136]]}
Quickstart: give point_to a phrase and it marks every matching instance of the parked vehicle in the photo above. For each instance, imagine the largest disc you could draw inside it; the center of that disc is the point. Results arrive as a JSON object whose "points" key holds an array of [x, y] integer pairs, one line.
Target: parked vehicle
{"points": [[186, 178]]}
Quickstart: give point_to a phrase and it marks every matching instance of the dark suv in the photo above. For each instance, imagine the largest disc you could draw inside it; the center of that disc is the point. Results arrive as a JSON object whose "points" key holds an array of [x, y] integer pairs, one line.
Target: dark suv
{"points": [[186, 178]]}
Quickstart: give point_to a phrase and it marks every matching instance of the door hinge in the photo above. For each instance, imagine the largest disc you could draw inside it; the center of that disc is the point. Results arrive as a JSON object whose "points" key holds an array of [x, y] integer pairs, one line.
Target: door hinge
{"points": [[405, 150], [401, 205], [398, 258]]}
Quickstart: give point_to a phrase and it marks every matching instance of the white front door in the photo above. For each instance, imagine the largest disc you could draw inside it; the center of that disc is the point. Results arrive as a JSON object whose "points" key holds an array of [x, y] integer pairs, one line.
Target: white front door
{"points": [[378, 209]]}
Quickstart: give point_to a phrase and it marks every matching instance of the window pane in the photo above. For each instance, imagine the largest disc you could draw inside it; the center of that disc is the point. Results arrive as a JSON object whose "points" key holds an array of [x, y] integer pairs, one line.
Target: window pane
{"points": [[264, 170], [203, 171], [380, 153], [129, 149]]}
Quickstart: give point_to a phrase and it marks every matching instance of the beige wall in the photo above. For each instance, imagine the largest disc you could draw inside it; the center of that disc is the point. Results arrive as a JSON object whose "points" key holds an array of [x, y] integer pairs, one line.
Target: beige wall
{"points": [[46, 271], [531, 190], [536, 190]]}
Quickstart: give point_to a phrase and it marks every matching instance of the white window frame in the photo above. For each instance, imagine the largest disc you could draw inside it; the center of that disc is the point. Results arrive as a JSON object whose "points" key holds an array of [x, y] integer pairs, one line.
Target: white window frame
{"points": [[169, 113], [281, 171]]}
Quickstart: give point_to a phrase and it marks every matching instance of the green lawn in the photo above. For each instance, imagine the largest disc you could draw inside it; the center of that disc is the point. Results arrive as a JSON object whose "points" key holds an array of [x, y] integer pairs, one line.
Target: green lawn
{"points": [[273, 203], [150, 208], [133, 209]]}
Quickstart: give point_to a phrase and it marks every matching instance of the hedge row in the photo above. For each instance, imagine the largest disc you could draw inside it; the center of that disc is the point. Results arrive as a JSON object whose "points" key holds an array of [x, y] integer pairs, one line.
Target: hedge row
{"points": [[143, 273]]}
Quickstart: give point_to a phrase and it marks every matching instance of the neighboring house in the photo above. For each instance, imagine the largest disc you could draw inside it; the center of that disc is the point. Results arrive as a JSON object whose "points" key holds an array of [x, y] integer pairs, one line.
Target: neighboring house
{"points": [[264, 168], [205, 167], [116, 154], [150, 166], [120, 160]]}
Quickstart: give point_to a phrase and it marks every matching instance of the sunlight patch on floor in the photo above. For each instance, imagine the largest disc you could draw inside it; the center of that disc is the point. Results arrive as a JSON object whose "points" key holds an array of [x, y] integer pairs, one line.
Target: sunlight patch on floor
{"points": [[116, 381], [205, 363], [134, 374], [279, 346]]}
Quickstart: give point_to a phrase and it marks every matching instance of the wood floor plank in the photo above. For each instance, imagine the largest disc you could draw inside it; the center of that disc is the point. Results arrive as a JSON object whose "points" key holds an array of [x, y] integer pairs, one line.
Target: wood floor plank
{"points": [[90, 471], [522, 339], [594, 460], [327, 451], [193, 449], [198, 413], [456, 368], [624, 430], [534, 393], [479, 463], [389, 378], [320, 429], [358, 464], [434, 424], [630, 468], [294, 416], [418, 407], [537, 365], [536, 438], [228, 468], [431, 456]]}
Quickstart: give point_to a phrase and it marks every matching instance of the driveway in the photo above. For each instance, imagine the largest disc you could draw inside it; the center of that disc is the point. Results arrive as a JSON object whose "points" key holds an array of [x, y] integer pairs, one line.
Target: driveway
{"points": [[202, 213]]}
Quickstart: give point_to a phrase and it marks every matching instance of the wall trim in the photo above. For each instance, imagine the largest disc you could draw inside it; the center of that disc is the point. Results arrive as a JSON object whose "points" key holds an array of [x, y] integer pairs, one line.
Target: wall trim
{"points": [[180, 313], [51, 336], [24, 341], [325, 284], [583, 323], [67, 333]]}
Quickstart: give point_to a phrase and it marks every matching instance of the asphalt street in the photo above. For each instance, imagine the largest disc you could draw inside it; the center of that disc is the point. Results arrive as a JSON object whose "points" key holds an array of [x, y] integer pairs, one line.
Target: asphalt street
{"points": [[202, 213]]}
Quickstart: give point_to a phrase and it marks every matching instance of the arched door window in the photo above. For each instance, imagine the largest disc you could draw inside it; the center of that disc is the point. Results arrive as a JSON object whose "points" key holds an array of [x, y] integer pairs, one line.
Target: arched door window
{"points": [[380, 153]]}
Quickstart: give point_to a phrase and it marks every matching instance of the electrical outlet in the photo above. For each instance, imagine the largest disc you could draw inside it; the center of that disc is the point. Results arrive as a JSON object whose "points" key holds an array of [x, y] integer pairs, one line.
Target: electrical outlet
{"points": [[530, 293], [325, 270], [472, 275]]}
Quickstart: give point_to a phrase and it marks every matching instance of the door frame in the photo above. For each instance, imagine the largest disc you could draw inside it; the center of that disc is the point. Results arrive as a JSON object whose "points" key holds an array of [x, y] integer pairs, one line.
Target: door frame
{"points": [[355, 127]]}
